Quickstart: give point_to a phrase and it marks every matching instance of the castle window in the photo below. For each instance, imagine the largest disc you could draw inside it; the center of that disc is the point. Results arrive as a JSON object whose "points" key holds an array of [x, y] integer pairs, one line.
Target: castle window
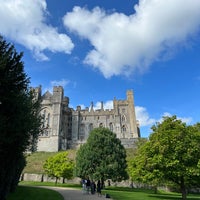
{"points": [[123, 110], [82, 132], [111, 127], [101, 125], [123, 128], [123, 118], [48, 120], [90, 127]]}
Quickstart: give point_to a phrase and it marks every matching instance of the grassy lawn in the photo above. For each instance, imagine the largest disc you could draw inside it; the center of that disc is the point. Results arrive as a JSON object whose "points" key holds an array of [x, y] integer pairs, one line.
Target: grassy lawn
{"points": [[33, 183], [140, 194], [31, 193], [116, 193]]}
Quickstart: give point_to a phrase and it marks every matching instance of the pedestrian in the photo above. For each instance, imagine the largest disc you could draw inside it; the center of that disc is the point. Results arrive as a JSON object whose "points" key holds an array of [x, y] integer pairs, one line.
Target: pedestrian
{"points": [[92, 187], [84, 186], [88, 185], [99, 188]]}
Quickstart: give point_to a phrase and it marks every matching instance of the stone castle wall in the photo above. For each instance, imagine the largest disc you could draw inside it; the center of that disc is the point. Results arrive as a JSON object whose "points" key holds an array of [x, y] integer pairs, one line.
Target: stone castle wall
{"points": [[64, 127]]}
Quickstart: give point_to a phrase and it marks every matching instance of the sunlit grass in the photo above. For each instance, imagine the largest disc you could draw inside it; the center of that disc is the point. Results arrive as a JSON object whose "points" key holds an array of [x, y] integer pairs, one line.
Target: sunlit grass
{"points": [[33, 183], [141, 194]]}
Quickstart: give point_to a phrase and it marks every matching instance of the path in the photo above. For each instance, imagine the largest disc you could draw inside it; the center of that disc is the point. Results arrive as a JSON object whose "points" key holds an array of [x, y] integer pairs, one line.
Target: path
{"points": [[75, 194]]}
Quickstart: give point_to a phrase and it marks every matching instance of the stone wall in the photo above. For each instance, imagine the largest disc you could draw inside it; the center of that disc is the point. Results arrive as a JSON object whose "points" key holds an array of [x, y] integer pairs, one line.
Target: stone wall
{"points": [[45, 178]]}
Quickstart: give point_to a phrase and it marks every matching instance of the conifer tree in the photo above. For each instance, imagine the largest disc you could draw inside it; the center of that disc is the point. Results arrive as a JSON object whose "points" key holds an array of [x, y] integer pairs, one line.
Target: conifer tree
{"points": [[19, 121]]}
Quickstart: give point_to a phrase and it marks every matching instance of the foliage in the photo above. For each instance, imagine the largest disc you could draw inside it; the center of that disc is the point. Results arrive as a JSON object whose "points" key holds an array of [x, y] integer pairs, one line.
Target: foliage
{"points": [[59, 166], [171, 154], [102, 157], [19, 121]]}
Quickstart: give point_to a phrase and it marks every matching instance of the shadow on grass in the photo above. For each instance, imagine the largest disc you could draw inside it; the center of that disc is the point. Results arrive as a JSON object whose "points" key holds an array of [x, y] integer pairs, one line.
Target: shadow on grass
{"points": [[165, 196], [172, 196]]}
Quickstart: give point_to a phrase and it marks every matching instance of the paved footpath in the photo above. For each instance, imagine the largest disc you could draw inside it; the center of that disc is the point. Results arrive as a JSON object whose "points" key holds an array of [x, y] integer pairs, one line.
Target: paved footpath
{"points": [[76, 194]]}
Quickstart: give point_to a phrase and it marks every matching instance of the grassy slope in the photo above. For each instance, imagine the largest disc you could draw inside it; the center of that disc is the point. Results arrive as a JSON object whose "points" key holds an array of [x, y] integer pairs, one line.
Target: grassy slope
{"points": [[36, 161]]}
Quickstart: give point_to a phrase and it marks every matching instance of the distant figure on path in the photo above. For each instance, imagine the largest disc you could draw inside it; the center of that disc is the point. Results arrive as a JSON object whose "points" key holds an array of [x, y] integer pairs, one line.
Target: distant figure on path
{"points": [[84, 185], [88, 184], [99, 188]]}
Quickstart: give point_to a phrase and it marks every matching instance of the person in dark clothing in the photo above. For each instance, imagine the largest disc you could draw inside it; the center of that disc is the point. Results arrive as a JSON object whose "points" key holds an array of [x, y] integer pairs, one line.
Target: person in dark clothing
{"points": [[99, 188], [93, 187], [88, 185]]}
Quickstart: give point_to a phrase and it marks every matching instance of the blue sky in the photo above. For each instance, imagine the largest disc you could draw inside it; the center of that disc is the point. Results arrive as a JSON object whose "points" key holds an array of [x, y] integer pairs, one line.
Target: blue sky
{"points": [[99, 49]]}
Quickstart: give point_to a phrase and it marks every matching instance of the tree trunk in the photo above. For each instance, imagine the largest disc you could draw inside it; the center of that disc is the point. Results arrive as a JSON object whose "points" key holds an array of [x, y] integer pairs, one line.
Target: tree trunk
{"points": [[183, 190], [155, 189], [56, 181]]}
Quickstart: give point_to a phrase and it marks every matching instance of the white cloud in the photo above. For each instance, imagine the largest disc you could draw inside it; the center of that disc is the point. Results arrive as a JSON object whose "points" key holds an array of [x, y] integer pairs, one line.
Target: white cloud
{"points": [[187, 120], [145, 120], [106, 105], [127, 44], [143, 116], [25, 22], [62, 82]]}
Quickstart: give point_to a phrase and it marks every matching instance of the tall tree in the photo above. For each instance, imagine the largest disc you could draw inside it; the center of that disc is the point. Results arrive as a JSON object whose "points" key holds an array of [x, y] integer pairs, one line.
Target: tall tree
{"points": [[59, 166], [19, 121], [102, 157], [171, 154]]}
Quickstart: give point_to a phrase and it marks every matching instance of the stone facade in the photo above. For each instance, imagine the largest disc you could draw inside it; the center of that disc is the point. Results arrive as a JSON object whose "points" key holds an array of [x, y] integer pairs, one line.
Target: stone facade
{"points": [[65, 128]]}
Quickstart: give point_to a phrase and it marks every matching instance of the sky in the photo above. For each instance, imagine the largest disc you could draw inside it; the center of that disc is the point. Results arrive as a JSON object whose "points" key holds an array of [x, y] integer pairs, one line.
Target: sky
{"points": [[97, 50]]}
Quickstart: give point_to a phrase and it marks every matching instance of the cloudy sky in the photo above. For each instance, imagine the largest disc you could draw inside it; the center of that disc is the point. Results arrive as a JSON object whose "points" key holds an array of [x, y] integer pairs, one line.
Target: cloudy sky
{"points": [[97, 50]]}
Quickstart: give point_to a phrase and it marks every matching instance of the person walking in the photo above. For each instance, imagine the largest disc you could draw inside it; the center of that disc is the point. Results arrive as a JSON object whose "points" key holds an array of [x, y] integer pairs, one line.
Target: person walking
{"points": [[88, 184], [99, 188]]}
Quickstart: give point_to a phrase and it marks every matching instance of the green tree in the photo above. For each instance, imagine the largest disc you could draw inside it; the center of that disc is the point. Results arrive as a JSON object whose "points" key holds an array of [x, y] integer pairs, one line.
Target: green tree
{"points": [[59, 166], [102, 157], [172, 154], [19, 121]]}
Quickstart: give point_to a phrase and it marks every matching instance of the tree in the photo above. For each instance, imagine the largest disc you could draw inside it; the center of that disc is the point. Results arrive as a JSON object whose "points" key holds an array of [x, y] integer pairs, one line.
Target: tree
{"points": [[59, 166], [19, 121], [172, 154], [102, 157], [138, 168]]}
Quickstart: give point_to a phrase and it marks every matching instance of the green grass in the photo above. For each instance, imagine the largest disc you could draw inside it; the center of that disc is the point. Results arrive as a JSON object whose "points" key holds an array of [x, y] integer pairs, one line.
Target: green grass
{"points": [[141, 194], [33, 183], [35, 161], [123, 193], [31, 193]]}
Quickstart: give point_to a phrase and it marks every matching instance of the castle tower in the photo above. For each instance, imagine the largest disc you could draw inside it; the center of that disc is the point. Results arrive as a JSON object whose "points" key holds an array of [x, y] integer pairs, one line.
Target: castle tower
{"points": [[57, 115], [131, 110]]}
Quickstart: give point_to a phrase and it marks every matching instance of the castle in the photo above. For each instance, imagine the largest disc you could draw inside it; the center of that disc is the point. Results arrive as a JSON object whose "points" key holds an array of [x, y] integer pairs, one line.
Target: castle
{"points": [[66, 128]]}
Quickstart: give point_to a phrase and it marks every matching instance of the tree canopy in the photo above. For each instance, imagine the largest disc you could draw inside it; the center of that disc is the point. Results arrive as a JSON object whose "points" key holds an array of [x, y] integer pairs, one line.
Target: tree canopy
{"points": [[19, 121], [102, 157], [59, 165], [172, 154]]}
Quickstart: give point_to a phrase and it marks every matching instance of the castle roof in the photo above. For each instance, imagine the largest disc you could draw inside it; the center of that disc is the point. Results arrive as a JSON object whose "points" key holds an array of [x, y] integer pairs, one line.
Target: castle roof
{"points": [[47, 95]]}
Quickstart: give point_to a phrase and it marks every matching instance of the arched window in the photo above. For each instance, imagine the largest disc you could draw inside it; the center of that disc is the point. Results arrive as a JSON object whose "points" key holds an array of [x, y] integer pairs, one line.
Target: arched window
{"points": [[48, 120], [123, 128], [111, 127], [123, 131], [82, 132], [101, 125], [90, 127], [123, 118]]}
